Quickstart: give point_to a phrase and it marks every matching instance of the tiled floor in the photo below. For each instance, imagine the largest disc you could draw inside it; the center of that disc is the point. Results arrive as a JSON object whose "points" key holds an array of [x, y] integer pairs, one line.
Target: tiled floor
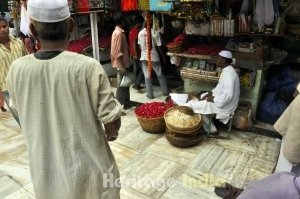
{"points": [[160, 169]]}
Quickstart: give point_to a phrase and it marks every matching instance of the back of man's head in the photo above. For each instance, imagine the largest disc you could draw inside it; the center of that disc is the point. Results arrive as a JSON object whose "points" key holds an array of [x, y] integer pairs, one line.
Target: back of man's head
{"points": [[138, 20], [118, 18], [50, 22]]}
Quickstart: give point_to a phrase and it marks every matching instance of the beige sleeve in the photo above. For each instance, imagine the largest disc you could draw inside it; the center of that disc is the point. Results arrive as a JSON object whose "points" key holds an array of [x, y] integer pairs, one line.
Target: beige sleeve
{"points": [[292, 136], [107, 107]]}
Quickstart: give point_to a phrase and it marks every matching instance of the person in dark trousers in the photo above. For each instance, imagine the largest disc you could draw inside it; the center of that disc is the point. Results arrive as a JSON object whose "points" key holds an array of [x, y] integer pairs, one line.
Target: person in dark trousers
{"points": [[120, 59], [135, 52]]}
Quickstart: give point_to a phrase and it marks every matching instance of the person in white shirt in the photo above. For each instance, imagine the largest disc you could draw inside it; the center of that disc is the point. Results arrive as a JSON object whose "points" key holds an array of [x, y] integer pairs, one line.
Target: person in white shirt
{"points": [[156, 44], [223, 99]]}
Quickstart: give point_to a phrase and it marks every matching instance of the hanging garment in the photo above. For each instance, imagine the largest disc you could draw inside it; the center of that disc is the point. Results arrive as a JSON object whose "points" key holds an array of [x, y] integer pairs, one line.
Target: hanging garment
{"points": [[129, 5], [264, 13], [25, 21], [245, 7]]}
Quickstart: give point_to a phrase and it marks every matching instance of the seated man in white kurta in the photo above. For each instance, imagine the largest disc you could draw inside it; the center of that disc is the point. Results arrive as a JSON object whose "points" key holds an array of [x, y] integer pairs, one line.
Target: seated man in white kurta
{"points": [[224, 98]]}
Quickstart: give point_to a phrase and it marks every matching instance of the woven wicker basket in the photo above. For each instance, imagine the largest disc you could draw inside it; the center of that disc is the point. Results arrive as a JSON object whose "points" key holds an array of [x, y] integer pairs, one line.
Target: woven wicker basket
{"points": [[185, 129], [179, 133], [184, 141], [152, 125]]}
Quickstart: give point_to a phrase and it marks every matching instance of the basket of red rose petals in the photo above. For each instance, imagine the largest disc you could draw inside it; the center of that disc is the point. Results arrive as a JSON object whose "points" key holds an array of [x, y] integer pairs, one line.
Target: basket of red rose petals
{"points": [[151, 116]]}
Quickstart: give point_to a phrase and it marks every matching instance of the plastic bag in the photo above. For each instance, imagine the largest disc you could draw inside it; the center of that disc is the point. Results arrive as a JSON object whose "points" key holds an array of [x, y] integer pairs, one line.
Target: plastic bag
{"points": [[126, 81]]}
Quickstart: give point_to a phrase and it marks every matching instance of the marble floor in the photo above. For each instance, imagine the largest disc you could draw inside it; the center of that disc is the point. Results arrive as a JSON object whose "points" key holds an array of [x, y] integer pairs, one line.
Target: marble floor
{"points": [[154, 168]]}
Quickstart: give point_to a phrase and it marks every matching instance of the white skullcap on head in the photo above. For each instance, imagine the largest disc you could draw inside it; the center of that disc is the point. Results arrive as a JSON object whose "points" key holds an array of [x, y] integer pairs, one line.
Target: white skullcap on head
{"points": [[226, 54], [48, 11]]}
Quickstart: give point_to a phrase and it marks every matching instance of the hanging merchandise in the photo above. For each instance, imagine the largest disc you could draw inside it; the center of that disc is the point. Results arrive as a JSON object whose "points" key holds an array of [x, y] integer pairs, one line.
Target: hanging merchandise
{"points": [[160, 5], [144, 5], [264, 13], [96, 4], [83, 5], [129, 5], [149, 42]]}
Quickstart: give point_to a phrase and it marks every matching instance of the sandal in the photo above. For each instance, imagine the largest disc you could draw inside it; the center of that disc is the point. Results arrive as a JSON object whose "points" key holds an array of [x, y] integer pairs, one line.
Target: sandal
{"points": [[228, 192]]}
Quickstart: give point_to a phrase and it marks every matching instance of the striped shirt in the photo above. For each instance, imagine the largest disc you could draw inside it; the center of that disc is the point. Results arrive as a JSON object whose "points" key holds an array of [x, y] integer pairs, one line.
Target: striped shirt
{"points": [[119, 48], [16, 51]]}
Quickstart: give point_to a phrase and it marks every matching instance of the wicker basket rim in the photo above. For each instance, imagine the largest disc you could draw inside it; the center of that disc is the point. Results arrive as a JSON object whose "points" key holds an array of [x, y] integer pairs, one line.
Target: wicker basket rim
{"points": [[177, 128], [145, 118], [178, 141], [184, 130]]}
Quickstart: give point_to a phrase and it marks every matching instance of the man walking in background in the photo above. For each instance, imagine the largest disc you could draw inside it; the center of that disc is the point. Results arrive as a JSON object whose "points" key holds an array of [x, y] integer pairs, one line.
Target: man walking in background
{"points": [[155, 48], [120, 59], [135, 52]]}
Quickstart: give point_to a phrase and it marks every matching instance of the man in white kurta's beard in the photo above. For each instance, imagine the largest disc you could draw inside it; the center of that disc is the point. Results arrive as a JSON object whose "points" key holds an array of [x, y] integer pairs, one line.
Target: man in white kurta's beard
{"points": [[223, 99]]}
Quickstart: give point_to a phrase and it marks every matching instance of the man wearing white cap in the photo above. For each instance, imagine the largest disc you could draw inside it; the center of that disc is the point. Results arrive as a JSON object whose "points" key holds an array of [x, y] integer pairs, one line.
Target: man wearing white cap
{"points": [[67, 111], [223, 99]]}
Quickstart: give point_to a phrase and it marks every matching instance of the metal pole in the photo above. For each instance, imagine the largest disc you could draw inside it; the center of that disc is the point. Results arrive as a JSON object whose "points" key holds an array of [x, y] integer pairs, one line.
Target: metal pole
{"points": [[94, 30]]}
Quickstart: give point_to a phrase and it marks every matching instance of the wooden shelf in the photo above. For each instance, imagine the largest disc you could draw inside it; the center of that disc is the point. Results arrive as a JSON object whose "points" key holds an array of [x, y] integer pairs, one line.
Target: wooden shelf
{"points": [[257, 34], [194, 56]]}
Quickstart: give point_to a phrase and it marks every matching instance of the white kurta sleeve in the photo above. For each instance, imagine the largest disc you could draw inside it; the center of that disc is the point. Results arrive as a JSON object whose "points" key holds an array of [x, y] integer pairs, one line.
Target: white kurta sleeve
{"points": [[227, 91]]}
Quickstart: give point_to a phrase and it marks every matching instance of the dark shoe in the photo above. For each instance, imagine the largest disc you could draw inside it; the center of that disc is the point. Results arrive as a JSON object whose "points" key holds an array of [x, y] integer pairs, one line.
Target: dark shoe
{"points": [[3, 109], [228, 192], [125, 107], [166, 94], [150, 97], [137, 88]]}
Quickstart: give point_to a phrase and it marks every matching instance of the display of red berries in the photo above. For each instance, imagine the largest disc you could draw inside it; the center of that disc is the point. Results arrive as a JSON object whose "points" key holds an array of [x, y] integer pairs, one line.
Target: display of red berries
{"points": [[153, 109]]}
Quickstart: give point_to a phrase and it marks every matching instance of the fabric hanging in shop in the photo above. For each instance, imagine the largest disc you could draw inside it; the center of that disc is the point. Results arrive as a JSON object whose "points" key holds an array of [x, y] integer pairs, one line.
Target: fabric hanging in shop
{"points": [[129, 5], [144, 5], [160, 5], [83, 5], [115, 5]]}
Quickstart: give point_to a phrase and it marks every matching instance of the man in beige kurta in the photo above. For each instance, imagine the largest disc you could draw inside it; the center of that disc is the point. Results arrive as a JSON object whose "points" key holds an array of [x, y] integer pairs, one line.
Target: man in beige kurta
{"points": [[288, 125], [64, 102]]}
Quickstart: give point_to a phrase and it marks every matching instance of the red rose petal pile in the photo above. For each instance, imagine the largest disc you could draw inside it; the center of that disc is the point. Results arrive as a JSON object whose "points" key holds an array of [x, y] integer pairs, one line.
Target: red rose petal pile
{"points": [[177, 45], [153, 109]]}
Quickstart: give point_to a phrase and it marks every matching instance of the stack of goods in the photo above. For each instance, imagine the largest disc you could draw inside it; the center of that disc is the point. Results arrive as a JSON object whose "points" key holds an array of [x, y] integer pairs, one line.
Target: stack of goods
{"points": [[177, 45], [222, 27], [183, 127], [151, 115], [205, 49]]}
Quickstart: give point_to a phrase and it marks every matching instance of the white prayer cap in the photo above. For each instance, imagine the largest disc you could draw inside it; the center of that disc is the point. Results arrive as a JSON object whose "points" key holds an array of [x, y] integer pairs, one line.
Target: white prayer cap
{"points": [[48, 11], [226, 54]]}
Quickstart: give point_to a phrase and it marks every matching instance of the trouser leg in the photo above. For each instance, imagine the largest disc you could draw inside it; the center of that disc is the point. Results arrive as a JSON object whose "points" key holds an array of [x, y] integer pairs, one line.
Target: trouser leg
{"points": [[122, 93], [205, 123], [147, 80], [11, 109], [140, 76], [161, 77]]}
